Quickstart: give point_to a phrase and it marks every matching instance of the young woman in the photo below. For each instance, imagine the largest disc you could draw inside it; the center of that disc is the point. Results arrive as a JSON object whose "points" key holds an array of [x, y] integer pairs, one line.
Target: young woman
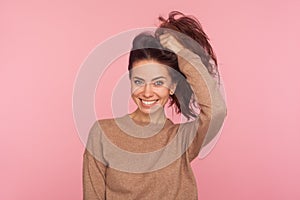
{"points": [[144, 155]]}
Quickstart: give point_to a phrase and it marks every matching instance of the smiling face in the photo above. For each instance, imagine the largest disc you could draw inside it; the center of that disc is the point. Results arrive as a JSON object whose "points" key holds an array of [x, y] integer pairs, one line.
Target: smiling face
{"points": [[150, 85]]}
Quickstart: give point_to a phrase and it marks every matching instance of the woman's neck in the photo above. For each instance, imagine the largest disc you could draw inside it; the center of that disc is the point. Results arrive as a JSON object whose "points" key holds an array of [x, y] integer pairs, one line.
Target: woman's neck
{"points": [[156, 117]]}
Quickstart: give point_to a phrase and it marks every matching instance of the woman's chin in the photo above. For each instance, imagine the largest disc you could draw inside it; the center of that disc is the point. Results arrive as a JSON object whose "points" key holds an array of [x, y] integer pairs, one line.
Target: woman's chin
{"points": [[151, 110]]}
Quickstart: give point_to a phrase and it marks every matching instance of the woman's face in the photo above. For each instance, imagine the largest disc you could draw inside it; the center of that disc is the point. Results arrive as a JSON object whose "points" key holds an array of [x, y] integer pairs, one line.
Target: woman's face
{"points": [[150, 85]]}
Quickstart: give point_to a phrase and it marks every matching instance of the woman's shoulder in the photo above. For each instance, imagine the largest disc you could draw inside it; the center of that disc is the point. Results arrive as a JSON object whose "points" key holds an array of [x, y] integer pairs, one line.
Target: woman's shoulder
{"points": [[100, 127]]}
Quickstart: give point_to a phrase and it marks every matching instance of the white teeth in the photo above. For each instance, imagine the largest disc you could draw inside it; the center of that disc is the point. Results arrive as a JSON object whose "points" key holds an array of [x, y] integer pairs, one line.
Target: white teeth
{"points": [[148, 102]]}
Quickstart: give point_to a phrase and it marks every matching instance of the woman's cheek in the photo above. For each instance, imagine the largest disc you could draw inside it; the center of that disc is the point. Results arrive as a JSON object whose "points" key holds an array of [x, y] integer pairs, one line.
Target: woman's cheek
{"points": [[135, 89]]}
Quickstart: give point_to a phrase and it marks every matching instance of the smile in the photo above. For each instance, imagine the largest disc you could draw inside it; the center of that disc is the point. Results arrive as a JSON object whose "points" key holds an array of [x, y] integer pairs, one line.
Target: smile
{"points": [[148, 103]]}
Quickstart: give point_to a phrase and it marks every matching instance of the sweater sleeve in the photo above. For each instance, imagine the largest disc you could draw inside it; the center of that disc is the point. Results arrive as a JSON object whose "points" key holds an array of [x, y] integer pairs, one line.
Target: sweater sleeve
{"points": [[94, 171], [208, 96]]}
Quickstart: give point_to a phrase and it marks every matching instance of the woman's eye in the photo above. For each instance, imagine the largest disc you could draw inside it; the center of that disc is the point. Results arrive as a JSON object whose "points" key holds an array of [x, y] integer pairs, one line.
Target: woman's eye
{"points": [[158, 83], [138, 82]]}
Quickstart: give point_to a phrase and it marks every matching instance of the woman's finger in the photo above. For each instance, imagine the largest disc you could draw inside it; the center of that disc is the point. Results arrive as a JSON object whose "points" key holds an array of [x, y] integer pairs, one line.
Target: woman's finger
{"points": [[165, 36]]}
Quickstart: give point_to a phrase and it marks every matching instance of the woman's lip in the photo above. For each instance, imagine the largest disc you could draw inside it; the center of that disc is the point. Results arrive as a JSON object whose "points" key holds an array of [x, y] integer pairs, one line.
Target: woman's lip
{"points": [[148, 102], [148, 99]]}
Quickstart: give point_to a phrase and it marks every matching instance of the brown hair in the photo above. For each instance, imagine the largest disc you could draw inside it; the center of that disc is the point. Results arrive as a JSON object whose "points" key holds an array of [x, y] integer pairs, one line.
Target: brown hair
{"points": [[147, 47], [188, 25]]}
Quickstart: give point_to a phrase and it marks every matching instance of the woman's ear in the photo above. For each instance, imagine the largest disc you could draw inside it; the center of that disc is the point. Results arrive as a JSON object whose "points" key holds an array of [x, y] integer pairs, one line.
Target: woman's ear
{"points": [[173, 88]]}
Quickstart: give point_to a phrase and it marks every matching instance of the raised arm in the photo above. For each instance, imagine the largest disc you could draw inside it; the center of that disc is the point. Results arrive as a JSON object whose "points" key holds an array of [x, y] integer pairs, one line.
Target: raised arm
{"points": [[207, 92]]}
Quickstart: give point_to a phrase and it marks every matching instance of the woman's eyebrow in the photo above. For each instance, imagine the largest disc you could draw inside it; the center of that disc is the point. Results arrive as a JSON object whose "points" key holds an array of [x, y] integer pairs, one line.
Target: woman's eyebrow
{"points": [[135, 77], [159, 77]]}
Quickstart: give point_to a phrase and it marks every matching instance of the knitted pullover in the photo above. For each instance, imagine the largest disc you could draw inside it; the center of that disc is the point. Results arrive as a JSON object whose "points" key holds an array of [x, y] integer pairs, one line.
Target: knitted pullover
{"points": [[127, 160]]}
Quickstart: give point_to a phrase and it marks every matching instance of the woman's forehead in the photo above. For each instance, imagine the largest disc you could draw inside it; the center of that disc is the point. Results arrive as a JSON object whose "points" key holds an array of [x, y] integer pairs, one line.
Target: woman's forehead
{"points": [[149, 69]]}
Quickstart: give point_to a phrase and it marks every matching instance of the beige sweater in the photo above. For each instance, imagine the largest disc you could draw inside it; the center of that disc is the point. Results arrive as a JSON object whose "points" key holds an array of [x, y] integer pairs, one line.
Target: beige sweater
{"points": [[131, 161]]}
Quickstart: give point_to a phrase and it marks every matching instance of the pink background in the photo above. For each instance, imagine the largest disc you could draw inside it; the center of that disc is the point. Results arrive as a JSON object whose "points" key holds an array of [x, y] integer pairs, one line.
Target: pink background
{"points": [[43, 44]]}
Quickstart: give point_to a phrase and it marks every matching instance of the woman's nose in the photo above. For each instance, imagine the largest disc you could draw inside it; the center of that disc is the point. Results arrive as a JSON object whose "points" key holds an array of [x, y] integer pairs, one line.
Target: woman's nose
{"points": [[148, 92]]}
